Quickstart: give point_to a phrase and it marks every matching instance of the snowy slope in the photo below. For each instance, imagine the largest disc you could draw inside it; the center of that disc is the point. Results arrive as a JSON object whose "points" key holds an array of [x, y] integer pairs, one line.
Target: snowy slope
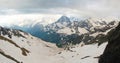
{"points": [[37, 50], [83, 53], [25, 48]]}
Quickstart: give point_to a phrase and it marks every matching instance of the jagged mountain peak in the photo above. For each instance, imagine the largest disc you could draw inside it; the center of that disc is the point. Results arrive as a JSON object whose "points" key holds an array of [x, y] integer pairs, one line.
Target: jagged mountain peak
{"points": [[63, 19]]}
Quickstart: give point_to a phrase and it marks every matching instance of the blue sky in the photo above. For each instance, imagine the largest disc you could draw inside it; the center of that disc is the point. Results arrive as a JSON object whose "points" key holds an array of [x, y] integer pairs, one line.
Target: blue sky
{"points": [[81, 7]]}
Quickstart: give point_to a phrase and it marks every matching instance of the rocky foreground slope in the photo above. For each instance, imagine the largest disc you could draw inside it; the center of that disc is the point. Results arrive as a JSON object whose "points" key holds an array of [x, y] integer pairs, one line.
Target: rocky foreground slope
{"points": [[112, 51]]}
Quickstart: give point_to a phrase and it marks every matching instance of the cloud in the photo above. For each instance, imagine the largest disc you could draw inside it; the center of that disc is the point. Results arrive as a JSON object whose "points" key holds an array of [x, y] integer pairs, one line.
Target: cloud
{"points": [[81, 7], [24, 19]]}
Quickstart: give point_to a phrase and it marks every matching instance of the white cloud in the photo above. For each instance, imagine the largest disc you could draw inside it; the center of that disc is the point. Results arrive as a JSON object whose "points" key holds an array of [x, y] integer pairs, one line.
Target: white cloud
{"points": [[81, 7], [21, 19]]}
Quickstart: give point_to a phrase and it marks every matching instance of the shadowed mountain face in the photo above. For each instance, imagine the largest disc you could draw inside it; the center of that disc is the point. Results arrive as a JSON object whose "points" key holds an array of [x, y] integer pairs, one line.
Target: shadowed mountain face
{"points": [[112, 51]]}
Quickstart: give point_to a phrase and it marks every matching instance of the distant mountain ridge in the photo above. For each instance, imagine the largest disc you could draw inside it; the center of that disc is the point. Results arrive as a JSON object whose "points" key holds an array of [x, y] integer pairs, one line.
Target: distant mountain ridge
{"points": [[65, 31]]}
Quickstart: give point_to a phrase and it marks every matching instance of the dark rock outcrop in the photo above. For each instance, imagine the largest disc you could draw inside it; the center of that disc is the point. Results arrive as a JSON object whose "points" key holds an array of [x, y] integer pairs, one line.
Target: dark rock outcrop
{"points": [[112, 51]]}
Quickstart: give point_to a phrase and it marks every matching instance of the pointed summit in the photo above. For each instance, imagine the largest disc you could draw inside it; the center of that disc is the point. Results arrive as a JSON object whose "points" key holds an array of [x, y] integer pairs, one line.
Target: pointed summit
{"points": [[63, 19]]}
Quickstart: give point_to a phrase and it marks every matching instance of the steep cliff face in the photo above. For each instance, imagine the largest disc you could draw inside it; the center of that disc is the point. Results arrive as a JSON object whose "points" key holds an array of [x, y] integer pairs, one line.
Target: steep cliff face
{"points": [[112, 51]]}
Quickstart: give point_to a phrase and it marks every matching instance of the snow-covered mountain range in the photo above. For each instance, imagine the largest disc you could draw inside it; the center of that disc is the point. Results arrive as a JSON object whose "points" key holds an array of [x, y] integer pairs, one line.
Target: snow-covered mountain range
{"points": [[71, 30], [82, 41]]}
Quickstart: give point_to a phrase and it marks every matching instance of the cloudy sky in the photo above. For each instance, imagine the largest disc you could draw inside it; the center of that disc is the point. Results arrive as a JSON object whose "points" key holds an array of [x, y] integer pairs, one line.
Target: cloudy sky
{"points": [[80, 7]]}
